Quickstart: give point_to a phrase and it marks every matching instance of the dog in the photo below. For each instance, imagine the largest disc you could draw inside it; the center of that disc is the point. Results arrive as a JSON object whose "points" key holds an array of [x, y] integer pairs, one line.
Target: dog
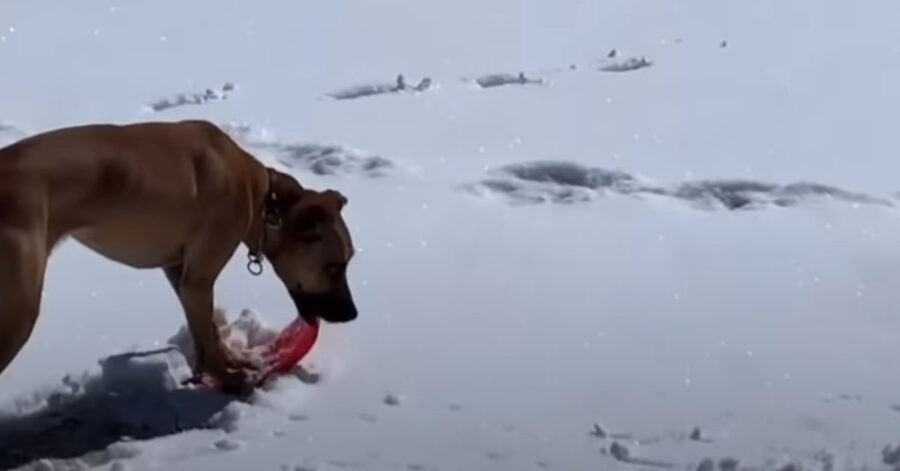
{"points": [[180, 196]]}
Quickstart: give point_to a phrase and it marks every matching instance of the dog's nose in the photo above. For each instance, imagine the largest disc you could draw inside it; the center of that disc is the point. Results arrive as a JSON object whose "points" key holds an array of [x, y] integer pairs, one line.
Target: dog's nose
{"points": [[351, 312], [346, 312], [328, 307]]}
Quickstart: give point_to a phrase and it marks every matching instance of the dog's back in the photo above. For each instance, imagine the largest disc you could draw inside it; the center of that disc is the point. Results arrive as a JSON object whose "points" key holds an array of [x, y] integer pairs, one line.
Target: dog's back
{"points": [[94, 169]]}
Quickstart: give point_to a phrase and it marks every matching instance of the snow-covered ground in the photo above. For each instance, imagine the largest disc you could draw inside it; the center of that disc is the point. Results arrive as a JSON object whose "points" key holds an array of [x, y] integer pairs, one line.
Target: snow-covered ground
{"points": [[673, 244]]}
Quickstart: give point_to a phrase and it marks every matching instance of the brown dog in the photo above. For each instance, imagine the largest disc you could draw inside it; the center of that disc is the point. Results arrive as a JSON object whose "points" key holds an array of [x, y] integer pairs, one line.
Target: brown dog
{"points": [[180, 196]]}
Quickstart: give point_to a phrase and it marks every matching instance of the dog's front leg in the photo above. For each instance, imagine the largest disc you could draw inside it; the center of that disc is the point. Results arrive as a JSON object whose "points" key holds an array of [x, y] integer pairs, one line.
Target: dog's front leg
{"points": [[193, 283]]}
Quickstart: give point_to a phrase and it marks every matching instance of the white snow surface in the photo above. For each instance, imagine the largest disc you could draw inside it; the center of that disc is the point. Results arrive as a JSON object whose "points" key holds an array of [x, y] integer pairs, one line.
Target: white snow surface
{"points": [[605, 267]]}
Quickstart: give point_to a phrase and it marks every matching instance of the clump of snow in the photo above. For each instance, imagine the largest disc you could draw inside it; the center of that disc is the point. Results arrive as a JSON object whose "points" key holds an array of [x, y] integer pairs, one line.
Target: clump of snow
{"points": [[598, 431], [247, 333], [890, 455], [696, 434], [226, 444], [624, 65], [728, 464], [194, 98], [399, 85], [620, 451], [706, 465], [392, 399], [498, 80]]}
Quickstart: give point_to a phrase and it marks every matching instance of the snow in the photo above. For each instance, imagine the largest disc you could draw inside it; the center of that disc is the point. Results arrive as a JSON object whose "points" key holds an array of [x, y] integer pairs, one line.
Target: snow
{"points": [[707, 243]]}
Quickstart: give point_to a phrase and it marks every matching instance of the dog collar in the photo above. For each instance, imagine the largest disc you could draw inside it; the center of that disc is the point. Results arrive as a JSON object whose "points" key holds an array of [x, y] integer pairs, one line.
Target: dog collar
{"points": [[271, 217]]}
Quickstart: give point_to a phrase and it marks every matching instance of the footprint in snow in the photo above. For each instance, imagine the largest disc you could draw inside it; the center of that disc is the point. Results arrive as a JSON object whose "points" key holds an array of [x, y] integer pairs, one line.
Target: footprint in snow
{"points": [[118, 466], [371, 418], [419, 467], [563, 182], [622, 453], [706, 465], [227, 445], [287, 467], [728, 464], [392, 399]]}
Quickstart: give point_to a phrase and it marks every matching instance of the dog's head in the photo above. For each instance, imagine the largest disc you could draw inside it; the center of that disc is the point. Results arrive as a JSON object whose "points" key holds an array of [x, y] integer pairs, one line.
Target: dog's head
{"points": [[309, 247]]}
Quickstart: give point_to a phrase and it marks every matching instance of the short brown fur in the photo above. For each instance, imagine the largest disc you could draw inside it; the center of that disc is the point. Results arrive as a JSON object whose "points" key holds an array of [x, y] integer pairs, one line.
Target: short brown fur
{"points": [[179, 196]]}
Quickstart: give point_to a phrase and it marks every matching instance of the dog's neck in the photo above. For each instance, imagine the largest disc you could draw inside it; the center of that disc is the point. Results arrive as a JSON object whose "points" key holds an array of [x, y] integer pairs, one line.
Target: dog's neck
{"points": [[264, 217]]}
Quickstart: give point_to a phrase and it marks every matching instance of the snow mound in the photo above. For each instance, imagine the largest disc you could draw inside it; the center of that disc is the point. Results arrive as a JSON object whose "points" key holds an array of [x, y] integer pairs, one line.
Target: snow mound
{"points": [[563, 182], [380, 88], [248, 331], [103, 416], [320, 159], [498, 80], [194, 98], [624, 65]]}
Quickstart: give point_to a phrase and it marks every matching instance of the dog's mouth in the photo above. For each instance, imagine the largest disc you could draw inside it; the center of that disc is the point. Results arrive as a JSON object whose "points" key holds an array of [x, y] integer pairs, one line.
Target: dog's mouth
{"points": [[330, 307]]}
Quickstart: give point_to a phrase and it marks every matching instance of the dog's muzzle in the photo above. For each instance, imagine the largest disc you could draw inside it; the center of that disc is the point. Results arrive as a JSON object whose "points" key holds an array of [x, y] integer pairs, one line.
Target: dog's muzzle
{"points": [[334, 307]]}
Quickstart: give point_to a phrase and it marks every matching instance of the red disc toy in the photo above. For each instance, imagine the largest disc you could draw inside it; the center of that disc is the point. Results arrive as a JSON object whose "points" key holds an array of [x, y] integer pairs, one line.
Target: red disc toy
{"points": [[282, 353]]}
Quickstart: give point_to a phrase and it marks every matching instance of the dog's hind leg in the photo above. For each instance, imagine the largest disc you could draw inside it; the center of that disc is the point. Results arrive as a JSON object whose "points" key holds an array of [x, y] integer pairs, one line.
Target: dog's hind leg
{"points": [[23, 259]]}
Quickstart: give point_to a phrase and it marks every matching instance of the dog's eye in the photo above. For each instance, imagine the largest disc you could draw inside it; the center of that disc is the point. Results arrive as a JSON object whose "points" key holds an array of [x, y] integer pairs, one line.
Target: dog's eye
{"points": [[307, 222], [305, 226]]}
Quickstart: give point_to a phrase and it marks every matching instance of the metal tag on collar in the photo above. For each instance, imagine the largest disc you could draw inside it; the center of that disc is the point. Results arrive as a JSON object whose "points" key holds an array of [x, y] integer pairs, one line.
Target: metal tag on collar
{"points": [[254, 264]]}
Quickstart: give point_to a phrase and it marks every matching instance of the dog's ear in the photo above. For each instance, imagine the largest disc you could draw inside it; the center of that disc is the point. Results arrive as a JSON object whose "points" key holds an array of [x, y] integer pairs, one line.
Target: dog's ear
{"points": [[284, 192], [337, 195]]}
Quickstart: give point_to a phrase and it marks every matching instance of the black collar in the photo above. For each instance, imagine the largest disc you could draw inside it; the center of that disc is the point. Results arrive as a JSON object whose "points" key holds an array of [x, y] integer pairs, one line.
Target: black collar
{"points": [[270, 217]]}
